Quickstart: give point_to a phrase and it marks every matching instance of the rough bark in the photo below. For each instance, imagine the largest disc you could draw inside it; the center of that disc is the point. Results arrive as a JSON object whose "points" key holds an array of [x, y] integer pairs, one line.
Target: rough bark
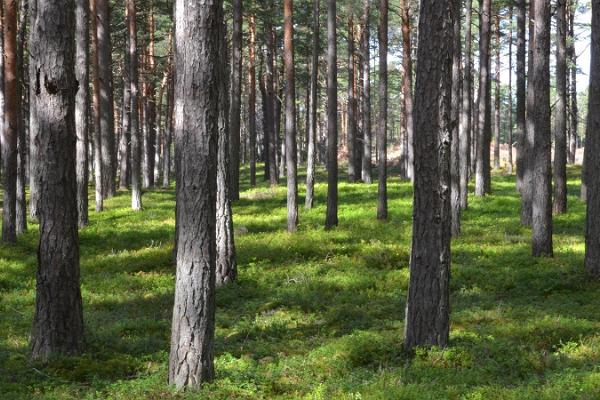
{"points": [[21, 201], [574, 112], [428, 308], [510, 91], [407, 96], [382, 206], [252, 97], [236, 97], [592, 152], [351, 143], [2, 80], [542, 165], [166, 178], [136, 148], [560, 112], [33, 127], [367, 176], [98, 171], [497, 96], [269, 105], [522, 144], [331, 219], [149, 105], [455, 203], [482, 173], [125, 139], [313, 104], [197, 45], [11, 122], [58, 320], [82, 106], [466, 110], [291, 155]]}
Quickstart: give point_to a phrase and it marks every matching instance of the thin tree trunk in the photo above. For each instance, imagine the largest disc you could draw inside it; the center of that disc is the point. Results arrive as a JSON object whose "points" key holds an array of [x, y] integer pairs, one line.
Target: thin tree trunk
{"points": [[2, 92], [312, 126], [269, 124], [467, 102], [290, 117], [21, 202], [166, 180], [522, 144], [428, 308], [236, 97], [197, 45], [382, 207], [98, 169], [58, 320], [497, 97], [136, 151], [366, 87], [407, 86], [455, 203], [351, 132], [527, 191], [125, 140], [252, 97], [33, 126], [560, 121], [82, 35], [510, 91], [542, 167], [332, 125], [149, 104], [484, 126], [574, 124]]}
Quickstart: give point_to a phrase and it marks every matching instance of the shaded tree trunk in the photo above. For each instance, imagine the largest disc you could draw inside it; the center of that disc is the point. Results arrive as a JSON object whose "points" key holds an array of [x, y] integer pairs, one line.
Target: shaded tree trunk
{"points": [[527, 190], [290, 117], [166, 179], [497, 97], [252, 97], [466, 115], [125, 139], [332, 125], [21, 205], [427, 307], [542, 168], [136, 148], [351, 144], [149, 105], [574, 114], [510, 91], [236, 97], [82, 35], [312, 122], [33, 126], [455, 203], [407, 86], [382, 207], [366, 102], [484, 126], [560, 121], [269, 106], [197, 45], [522, 145], [58, 320], [99, 190]]}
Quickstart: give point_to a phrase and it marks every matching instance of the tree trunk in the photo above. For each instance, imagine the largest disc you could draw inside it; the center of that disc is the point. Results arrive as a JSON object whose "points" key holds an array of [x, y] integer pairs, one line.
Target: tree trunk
{"points": [[527, 191], [542, 149], [226, 266], [574, 115], [99, 190], [382, 207], [236, 97], [58, 321], [484, 126], [290, 117], [2, 98], [252, 97], [11, 122], [510, 91], [166, 179], [407, 87], [351, 132], [198, 37], [560, 121], [33, 127], [467, 102], [313, 105], [522, 144], [269, 100], [107, 128], [332, 125], [455, 203], [136, 151], [497, 97], [592, 152], [366, 87], [82, 35], [149, 104], [21, 202], [428, 308], [125, 140]]}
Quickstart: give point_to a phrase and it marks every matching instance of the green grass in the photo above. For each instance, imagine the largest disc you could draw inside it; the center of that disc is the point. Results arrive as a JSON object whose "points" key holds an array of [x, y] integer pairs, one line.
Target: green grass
{"points": [[319, 315]]}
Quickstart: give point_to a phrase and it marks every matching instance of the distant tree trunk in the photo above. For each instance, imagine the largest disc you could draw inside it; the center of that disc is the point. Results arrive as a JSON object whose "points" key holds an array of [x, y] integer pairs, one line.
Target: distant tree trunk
{"points": [[510, 91], [366, 87], [332, 132], [467, 102], [33, 127], [11, 122], [497, 97], [107, 128], [455, 200], [269, 124], [125, 140], [574, 115], [21, 205], [312, 127], [560, 121], [226, 266], [382, 208], [522, 144], [427, 307], [527, 192], [236, 97], [592, 152], [542, 171], [407, 86], [2, 92], [197, 44], [99, 190], [484, 125], [58, 320], [290, 117], [82, 35], [351, 133], [136, 151], [252, 97], [166, 180], [149, 104]]}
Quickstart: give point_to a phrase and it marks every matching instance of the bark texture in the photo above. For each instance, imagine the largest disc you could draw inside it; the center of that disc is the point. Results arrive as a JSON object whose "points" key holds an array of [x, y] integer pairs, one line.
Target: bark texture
{"points": [[313, 104], [455, 203], [351, 143], [560, 111], [21, 205], [367, 175], [407, 87], [466, 110], [331, 219], [291, 160], [82, 106], [236, 98], [382, 206], [522, 145], [482, 173], [136, 142], [252, 97]]}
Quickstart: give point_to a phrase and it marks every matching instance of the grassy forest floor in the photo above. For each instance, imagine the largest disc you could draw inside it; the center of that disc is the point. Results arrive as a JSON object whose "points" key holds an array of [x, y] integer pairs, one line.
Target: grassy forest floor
{"points": [[319, 315]]}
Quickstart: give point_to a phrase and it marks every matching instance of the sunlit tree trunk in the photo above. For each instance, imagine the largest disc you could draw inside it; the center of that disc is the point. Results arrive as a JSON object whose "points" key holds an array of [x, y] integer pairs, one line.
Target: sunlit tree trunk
{"points": [[290, 117], [332, 125], [382, 206], [312, 125], [136, 147], [466, 110], [82, 35], [366, 87], [21, 202], [560, 112], [252, 97], [484, 126]]}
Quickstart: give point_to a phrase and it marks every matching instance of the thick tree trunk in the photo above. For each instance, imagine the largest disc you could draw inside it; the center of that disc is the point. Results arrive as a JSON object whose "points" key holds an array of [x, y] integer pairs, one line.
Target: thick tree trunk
{"points": [[455, 201], [107, 127], [542, 149], [351, 144], [312, 111], [236, 97], [482, 173], [21, 205], [11, 122], [136, 150], [332, 125], [252, 97], [291, 160], [197, 45], [497, 97], [592, 152], [58, 321], [382, 206], [82, 35], [467, 103], [366, 88], [407, 86], [428, 308], [560, 120], [226, 266]]}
